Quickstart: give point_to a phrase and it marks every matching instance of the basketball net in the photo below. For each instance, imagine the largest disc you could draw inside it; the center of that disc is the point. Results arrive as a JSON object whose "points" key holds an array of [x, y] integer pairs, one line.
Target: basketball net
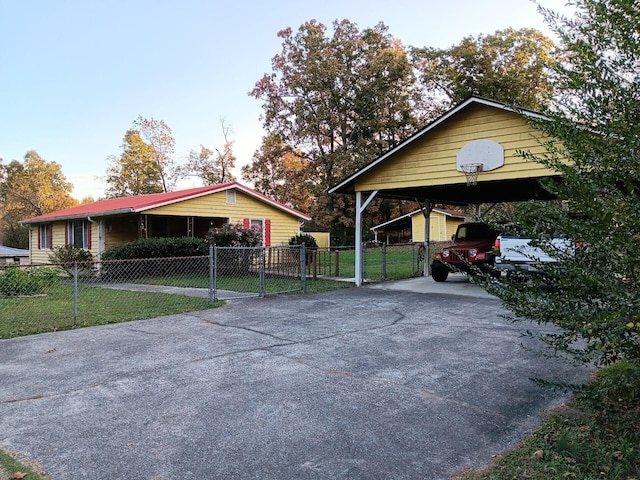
{"points": [[471, 171]]}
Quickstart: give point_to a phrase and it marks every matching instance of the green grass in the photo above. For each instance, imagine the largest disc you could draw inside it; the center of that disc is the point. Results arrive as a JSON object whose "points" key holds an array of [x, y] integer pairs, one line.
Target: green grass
{"points": [[402, 262], [244, 284], [596, 436], [12, 466], [96, 306]]}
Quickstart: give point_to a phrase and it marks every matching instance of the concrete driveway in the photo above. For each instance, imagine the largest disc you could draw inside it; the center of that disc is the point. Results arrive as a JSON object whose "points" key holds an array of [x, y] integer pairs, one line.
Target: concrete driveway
{"points": [[366, 383]]}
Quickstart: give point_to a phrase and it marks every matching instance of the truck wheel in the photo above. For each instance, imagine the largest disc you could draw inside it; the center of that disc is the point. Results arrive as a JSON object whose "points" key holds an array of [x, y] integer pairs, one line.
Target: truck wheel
{"points": [[439, 274]]}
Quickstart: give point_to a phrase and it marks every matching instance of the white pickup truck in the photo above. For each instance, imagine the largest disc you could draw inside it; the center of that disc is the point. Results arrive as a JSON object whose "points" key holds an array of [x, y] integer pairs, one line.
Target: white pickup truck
{"points": [[517, 254]]}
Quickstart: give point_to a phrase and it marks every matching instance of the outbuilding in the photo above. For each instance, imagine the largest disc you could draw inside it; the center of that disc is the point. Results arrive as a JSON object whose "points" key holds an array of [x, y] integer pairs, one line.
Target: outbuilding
{"points": [[471, 154]]}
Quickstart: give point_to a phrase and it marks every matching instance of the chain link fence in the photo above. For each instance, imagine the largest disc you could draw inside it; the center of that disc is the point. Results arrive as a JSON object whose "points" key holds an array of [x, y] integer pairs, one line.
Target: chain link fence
{"points": [[380, 261], [61, 296]]}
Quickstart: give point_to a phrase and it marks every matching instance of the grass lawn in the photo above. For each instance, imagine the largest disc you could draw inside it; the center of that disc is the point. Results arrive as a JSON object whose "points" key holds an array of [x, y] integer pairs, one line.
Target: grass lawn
{"points": [[96, 306], [596, 436], [245, 284], [13, 469]]}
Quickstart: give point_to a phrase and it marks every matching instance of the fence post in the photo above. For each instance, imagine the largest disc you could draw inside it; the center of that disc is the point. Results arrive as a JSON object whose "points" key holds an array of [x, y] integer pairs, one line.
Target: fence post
{"points": [[337, 264], [212, 275], [303, 267], [363, 262], [75, 294], [314, 263], [262, 268], [384, 261]]}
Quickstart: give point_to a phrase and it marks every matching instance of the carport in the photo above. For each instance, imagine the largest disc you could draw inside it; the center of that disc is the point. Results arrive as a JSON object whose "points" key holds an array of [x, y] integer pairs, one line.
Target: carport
{"points": [[469, 155]]}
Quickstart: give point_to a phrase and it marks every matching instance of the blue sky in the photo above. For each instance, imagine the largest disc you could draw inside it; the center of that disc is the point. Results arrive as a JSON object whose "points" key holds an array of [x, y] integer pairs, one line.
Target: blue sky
{"points": [[75, 74]]}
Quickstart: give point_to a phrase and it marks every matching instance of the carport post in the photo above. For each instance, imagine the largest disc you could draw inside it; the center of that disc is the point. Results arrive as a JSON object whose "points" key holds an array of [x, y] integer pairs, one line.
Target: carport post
{"points": [[359, 209], [426, 211]]}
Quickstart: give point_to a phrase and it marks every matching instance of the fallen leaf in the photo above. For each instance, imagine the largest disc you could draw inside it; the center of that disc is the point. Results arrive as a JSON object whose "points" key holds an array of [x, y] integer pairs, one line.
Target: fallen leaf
{"points": [[18, 476], [539, 454]]}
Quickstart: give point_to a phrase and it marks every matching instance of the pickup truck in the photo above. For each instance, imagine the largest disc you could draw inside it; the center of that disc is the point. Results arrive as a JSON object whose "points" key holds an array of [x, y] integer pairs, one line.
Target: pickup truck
{"points": [[517, 254], [472, 246]]}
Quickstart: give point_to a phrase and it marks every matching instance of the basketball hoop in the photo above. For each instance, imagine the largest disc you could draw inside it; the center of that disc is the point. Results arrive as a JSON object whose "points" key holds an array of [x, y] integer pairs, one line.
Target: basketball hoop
{"points": [[471, 171]]}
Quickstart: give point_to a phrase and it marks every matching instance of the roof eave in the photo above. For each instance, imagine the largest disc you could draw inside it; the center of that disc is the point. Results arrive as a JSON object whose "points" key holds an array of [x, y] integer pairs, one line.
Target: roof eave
{"points": [[77, 216]]}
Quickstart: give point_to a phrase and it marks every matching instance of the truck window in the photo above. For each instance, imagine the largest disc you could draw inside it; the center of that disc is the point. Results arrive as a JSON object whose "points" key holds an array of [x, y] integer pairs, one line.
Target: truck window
{"points": [[475, 231]]}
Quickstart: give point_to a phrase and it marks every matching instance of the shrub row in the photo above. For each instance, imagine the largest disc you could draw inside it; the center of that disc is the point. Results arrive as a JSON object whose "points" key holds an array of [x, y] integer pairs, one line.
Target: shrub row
{"points": [[158, 248]]}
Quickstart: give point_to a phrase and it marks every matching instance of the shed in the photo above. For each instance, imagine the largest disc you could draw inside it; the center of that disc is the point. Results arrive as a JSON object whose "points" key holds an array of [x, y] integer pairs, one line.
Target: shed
{"points": [[13, 256], [442, 224]]}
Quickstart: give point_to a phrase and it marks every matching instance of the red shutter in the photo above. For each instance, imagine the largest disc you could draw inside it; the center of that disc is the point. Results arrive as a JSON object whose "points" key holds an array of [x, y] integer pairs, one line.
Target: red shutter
{"points": [[50, 235], [267, 233], [246, 222], [39, 230], [88, 235]]}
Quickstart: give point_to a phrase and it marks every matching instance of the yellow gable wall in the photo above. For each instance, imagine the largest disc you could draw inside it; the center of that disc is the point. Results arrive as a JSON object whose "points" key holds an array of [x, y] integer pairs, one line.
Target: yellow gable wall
{"points": [[283, 225], [441, 227], [431, 160]]}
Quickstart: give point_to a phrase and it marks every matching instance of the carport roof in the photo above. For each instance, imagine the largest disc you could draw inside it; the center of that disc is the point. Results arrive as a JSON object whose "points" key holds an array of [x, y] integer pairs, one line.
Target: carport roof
{"points": [[499, 190]]}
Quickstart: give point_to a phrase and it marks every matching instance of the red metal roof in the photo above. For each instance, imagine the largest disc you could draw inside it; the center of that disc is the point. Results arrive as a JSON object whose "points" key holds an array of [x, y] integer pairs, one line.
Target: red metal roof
{"points": [[140, 203]]}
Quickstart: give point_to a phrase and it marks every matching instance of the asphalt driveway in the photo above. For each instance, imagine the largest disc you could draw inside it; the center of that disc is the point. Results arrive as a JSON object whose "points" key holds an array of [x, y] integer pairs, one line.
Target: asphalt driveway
{"points": [[363, 383]]}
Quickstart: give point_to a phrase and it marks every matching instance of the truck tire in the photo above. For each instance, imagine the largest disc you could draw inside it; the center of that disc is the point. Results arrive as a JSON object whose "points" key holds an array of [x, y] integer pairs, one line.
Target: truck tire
{"points": [[439, 274]]}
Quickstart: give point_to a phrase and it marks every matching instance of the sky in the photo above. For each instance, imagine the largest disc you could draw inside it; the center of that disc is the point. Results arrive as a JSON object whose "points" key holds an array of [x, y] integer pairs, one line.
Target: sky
{"points": [[75, 74]]}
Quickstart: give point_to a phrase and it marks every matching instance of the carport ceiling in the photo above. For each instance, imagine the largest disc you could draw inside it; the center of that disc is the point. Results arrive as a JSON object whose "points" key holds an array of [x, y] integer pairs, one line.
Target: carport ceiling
{"points": [[498, 191]]}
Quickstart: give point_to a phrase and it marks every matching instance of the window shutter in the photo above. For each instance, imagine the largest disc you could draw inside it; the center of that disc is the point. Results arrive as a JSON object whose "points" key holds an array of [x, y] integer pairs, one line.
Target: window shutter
{"points": [[88, 235], [66, 234], [267, 233], [246, 223], [49, 233], [39, 233]]}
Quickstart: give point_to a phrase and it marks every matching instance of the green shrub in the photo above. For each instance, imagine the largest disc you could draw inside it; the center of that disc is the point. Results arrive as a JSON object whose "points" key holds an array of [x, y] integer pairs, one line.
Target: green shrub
{"points": [[17, 281], [70, 254], [235, 236], [308, 240], [158, 248]]}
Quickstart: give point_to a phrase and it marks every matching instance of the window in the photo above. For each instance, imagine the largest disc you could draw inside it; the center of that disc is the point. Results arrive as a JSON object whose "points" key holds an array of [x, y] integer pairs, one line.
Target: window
{"points": [[258, 224], [264, 226], [231, 197], [79, 234], [45, 236]]}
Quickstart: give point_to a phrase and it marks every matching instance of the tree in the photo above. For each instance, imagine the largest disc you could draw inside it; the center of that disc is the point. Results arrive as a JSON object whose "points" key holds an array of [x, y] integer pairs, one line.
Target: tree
{"points": [[27, 189], [591, 293], [338, 102], [135, 172], [510, 66], [157, 134], [212, 167], [281, 173]]}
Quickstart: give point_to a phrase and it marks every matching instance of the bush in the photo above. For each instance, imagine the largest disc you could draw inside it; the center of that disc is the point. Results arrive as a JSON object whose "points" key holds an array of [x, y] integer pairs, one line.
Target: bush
{"points": [[175, 248], [158, 248], [235, 236], [308, 240], [70, 254], [17, 281]]}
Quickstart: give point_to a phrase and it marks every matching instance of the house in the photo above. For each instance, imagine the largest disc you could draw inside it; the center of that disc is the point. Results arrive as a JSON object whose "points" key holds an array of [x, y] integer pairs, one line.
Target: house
{"points": [[13, 256], [104, 224], [442, 224]]}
